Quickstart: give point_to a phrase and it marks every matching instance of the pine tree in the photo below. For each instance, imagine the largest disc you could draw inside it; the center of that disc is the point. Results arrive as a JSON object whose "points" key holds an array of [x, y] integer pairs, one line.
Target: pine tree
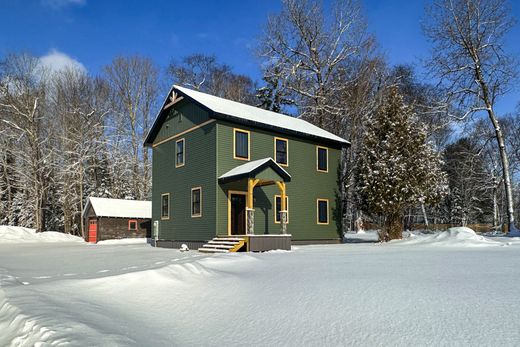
{"points": [[398, 168]]}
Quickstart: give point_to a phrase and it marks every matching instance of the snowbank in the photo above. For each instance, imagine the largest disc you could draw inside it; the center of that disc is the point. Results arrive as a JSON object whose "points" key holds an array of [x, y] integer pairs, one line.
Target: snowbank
{"points": [[457, 237], [124, 241], [9, 234]]}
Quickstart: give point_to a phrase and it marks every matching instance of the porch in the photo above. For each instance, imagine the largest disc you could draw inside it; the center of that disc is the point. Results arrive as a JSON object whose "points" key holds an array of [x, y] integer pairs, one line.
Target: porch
{"points": [[239, 186]]}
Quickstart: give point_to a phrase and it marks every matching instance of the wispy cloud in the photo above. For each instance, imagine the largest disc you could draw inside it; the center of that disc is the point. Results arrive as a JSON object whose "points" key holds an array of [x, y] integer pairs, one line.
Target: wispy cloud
{"points": [[63, 3], [56, 61]]}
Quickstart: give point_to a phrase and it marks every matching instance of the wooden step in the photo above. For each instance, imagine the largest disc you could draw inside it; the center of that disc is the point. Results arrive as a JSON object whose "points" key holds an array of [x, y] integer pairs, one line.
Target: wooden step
{"points": [[232, 243], [228, 239]]}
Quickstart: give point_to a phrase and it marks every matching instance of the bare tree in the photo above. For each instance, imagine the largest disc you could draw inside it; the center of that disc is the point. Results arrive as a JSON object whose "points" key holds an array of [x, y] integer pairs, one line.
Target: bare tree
{"points": [[469, 57], [134, 86], [204, 73], [23, 90], [79, 115], [322, 61]]}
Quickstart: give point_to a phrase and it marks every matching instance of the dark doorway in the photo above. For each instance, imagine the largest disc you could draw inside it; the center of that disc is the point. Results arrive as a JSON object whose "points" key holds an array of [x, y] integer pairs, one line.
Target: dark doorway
{"points": [[238, 214]]}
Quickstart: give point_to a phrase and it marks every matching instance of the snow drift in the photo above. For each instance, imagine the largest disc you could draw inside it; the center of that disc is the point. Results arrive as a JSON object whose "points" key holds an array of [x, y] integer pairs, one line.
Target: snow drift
{"points": [[457, 237], [10, 234]]}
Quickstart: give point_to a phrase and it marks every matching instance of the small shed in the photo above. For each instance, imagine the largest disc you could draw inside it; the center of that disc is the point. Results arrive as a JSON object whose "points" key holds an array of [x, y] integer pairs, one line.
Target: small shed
{"points": [[107, 219]]}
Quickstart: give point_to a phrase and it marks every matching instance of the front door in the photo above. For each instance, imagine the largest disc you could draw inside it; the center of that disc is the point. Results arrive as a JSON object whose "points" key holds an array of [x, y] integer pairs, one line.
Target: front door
{"points": [[92, 230], [238, 214]]}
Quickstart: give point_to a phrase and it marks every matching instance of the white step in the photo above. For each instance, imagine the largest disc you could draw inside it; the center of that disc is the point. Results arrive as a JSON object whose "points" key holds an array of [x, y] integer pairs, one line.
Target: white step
{"points": [[212, 250]]}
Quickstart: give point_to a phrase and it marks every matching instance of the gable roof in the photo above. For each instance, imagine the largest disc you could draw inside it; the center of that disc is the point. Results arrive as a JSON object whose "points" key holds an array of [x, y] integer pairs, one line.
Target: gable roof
{"points": [[104, 207], [241, 113], [252, 168]]}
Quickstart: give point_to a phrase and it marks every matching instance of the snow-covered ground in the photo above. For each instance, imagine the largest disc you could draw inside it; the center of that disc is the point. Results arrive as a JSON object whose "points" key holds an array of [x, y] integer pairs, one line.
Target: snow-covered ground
{"points": [[10, 234], [425, 290]]}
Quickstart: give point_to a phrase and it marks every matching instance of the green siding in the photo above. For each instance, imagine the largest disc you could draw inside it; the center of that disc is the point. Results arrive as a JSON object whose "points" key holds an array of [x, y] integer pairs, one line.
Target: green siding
{"points": [[209, 154], [199, 170], [182, 116], [306, 186]]}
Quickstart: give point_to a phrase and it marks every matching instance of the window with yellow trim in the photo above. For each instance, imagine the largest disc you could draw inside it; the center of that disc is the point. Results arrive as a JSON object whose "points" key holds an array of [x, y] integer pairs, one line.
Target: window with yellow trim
{"points": [[278, 208], [322, 159], [323, 211], [241, 143], [281, 147]]}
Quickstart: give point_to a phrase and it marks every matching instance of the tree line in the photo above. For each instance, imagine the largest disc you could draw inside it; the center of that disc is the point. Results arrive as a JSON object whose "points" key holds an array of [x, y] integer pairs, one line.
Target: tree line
{"points": [[428, 152]]}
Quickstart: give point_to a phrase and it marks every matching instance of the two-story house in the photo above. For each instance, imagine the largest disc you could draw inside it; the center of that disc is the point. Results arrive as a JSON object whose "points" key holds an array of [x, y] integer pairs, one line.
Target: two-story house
{"points": [[223, 168]]}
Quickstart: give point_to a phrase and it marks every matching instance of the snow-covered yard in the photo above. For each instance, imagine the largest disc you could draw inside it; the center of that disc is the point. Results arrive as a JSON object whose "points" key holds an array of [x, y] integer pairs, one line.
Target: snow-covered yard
{"points": [[447, 289]]}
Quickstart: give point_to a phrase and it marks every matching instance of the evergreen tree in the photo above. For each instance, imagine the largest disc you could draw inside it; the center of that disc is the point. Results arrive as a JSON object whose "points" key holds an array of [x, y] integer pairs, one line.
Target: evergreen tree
{"points": [[398, 168]]}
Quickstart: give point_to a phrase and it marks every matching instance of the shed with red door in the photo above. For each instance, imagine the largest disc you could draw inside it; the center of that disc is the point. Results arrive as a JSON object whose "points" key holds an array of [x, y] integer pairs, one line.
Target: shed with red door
{"points": [[107, 219]]}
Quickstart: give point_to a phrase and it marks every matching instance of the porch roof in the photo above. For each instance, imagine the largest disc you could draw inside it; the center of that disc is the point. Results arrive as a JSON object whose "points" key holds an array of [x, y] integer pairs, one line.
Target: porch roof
{"points": [[252, 168]]}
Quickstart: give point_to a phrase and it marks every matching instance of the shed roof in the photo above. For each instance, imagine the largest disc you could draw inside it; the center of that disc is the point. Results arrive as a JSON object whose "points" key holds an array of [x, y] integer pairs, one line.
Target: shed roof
{"points": [[105, 207], [252, 168], [242, 113]]}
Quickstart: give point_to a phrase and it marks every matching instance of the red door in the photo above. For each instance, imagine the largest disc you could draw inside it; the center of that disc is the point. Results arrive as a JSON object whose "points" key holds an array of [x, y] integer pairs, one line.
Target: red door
{"points": [[92, 230]]}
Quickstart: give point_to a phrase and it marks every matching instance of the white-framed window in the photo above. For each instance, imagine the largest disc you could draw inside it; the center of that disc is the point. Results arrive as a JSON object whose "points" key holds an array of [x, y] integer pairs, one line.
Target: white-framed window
{"points": [[180, 152], [165, 206], [196, 202]]}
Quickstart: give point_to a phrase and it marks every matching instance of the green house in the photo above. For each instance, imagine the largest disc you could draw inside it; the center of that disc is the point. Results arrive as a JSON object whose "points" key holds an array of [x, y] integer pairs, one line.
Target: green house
{"points": [[241, 173]]}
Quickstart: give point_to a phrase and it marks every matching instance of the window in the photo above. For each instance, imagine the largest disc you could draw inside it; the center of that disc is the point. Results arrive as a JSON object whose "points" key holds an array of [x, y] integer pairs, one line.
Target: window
{"points": [[280, 151], [165, 206], [132, 225], [322, 159], [323, 211], [278, 208], [179, 153], [196, 202], [241, 144]]}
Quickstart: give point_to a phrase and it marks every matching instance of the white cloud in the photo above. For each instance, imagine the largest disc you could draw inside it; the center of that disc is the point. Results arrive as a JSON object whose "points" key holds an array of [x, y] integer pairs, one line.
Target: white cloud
{"points": [[63, 3], [56, 61]]}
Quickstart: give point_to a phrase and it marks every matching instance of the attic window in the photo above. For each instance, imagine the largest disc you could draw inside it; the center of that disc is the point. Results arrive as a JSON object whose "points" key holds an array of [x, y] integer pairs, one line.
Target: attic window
{"points": [[132, 225]]}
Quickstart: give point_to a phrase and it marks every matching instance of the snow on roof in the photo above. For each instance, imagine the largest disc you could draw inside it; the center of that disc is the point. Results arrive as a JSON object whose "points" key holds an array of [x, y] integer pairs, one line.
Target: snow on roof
{"points": [[104, 207], [258, 115], [246, 168]]}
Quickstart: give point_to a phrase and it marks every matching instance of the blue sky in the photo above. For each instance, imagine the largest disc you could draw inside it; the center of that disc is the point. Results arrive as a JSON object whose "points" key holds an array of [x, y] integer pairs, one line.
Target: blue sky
{"points": [[94, 31]]}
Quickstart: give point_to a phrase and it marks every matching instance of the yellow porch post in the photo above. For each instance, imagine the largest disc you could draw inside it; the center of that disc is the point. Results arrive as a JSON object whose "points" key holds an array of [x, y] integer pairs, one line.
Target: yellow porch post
{"points": [[250, 227], [283, 211]]}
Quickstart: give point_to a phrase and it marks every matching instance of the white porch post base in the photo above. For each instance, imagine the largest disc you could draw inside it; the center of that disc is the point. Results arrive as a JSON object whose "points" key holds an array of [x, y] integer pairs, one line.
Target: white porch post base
{"points": [[283, 222], [250, 227]]}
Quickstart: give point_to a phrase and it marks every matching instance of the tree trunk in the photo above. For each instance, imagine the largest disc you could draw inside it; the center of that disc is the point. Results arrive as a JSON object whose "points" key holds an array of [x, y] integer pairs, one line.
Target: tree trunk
{"points": [[425, 216], [502, 149], [393, 228]]}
